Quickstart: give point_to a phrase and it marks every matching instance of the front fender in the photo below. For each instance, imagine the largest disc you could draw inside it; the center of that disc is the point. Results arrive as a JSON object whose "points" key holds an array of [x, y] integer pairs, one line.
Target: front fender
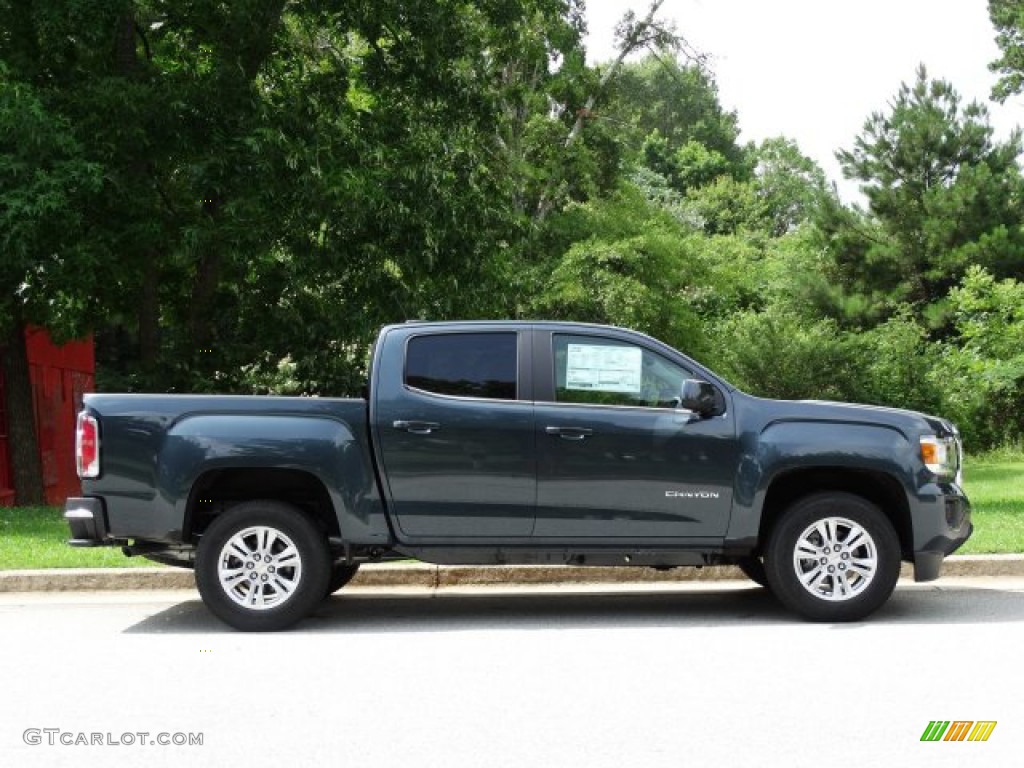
{"points": [[794, 444]]}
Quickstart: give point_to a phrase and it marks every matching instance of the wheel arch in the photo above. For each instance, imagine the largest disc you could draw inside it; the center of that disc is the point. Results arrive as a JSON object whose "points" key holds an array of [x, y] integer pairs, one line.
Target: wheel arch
{"points": [[880, 488], [217, 490]]}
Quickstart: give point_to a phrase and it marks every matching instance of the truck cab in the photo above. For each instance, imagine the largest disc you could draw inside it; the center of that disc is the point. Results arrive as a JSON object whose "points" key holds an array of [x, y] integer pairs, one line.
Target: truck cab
{"points": [[548, 433]]}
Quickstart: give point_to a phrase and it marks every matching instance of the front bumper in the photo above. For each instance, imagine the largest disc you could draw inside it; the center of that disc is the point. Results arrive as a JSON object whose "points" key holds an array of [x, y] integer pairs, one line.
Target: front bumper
{"points": [[940, 528], [87, 520]]}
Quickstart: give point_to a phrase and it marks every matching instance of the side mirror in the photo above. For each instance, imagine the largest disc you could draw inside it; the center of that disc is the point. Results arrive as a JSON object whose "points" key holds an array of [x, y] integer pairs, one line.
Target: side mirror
{"points": [[701, 397]]}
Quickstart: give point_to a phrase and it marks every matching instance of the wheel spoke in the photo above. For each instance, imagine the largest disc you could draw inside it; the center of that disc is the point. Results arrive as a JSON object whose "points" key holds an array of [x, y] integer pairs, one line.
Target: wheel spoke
{"points": [[864, 566], [842, 586], [806, 551], [288, 558], [269, 537], [812, 577], [855, 539], [831, 534], [822, 532], [231, 577], [250, 589]]}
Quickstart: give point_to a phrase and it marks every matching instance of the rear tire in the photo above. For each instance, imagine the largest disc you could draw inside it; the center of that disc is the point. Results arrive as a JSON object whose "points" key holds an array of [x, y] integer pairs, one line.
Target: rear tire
{"points": [[262, 566], [833, 557]]}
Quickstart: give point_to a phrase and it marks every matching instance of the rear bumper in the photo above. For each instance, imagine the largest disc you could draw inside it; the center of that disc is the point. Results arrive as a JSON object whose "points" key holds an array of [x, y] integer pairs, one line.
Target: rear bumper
{"points": [[87, 520], [940, 530]]}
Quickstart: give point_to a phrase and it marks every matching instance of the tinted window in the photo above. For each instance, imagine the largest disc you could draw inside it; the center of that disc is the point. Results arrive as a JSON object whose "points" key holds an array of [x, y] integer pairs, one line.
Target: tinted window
{"points": [[464, 364], [611, 372]]}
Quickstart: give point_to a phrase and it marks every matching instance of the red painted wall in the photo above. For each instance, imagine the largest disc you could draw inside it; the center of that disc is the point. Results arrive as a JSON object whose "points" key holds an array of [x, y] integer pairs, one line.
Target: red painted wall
{"points": [[60, 376]]}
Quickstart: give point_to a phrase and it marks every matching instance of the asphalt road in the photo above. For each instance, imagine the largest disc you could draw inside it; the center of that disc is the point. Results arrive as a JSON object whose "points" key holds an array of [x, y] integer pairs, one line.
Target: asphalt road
{"points": [[681, 675]]}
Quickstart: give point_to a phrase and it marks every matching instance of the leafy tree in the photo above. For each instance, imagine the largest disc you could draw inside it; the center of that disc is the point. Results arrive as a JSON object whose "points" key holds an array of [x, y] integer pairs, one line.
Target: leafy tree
{"points": [[45, 275], [982, 372], [632, 34], [727, 206], [666, 104], [689, 167], [218, 188], [626, 262], [792, 185], [895, 361], [772, 191], [777, 353]]}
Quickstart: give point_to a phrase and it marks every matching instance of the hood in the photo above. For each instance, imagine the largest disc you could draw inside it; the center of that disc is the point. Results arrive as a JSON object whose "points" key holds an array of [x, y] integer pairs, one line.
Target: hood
{"points": [[855, 413]]}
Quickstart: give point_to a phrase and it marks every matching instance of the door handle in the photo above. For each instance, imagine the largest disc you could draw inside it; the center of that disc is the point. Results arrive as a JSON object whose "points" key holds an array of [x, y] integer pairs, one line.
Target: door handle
{"points": [[416, 427], [569, 433]]}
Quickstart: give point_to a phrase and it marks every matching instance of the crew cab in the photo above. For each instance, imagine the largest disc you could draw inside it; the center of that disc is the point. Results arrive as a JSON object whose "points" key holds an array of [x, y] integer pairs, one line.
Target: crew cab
{"points": [[506, 442]]}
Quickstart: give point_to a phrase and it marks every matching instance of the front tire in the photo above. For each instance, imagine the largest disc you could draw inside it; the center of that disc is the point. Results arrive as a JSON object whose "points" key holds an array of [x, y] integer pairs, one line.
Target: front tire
{"points": [[262, 566], [753, 569], [833, 557], [341, 575]]}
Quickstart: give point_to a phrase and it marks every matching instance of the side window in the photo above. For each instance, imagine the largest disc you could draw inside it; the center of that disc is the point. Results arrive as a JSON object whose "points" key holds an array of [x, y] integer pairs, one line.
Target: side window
{"points": [[602, 371], [463, 364]]}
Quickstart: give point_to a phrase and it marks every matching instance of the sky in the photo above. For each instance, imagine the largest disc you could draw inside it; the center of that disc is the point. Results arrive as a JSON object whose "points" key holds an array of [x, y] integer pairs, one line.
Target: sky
{"points": [[814, 70]]}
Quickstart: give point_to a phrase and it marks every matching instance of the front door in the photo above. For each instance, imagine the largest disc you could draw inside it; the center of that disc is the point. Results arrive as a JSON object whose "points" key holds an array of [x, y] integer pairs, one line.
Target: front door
{"points": [[617, 457]]}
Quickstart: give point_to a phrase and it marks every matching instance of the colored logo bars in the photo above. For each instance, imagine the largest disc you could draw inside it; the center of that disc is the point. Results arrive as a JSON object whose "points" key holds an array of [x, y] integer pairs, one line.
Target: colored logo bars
{"points": [[958, 730]]}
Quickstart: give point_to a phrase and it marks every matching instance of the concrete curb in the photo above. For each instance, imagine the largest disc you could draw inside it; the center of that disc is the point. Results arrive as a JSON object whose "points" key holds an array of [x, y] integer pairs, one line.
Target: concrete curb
{"points": [[433, 576]]}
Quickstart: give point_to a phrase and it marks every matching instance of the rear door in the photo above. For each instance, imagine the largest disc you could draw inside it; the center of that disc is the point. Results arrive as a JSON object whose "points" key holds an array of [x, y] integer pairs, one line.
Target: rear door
{"points": [[455, 432], [617, 457]]}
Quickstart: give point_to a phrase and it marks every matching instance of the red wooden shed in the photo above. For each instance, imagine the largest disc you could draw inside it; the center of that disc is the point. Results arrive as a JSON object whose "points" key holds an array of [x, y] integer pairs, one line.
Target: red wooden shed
{"points": [[60, 376]]}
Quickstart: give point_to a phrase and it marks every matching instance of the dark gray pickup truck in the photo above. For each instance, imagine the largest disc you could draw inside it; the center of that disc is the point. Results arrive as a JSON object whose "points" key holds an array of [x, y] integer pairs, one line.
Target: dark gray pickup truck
{"points": [[519, 442]]}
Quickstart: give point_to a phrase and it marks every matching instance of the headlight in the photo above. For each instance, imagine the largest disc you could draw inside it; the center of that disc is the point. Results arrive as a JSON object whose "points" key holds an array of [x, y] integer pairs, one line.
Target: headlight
{"points": [[941, 455]]}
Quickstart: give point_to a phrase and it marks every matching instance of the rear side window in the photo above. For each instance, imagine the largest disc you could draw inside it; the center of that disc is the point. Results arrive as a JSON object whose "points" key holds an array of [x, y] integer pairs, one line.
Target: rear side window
{"points": [[463, 364]]}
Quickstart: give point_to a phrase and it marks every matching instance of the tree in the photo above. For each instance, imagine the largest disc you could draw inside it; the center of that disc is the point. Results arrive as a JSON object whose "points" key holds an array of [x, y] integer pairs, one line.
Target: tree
{"points": [[632, 35], [665, 103], [625, 262], [45, 276], [278, 179], [982, 370], [1008, 19], [784, 190], [791, 184], [227, 191], [943, 192]]}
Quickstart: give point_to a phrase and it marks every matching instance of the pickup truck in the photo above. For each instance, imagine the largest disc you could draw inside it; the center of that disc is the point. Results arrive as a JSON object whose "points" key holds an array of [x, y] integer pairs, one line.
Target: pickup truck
{"points": [[500, 442]]}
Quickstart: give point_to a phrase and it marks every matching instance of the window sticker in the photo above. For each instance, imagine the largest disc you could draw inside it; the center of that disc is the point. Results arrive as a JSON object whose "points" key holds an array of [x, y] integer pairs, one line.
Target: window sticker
{"points": [[604, 369]]}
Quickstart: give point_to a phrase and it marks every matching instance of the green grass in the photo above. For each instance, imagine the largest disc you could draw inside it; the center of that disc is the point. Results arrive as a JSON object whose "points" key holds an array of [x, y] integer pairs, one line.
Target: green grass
{"points": [[995, 485], [33, 537]]}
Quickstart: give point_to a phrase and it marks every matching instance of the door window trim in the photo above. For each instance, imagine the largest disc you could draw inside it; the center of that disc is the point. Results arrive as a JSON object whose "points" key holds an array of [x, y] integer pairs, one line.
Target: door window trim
{"points": [[544, 374], [524, 372]]}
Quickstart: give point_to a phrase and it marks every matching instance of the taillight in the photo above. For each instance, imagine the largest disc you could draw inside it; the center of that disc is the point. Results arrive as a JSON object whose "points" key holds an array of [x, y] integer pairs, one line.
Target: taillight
{"points": [[87, 446]]}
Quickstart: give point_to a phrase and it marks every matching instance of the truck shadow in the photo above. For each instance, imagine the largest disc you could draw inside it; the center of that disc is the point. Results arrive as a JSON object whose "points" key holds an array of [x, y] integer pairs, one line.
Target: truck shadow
{"points": [[453, 611]]}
